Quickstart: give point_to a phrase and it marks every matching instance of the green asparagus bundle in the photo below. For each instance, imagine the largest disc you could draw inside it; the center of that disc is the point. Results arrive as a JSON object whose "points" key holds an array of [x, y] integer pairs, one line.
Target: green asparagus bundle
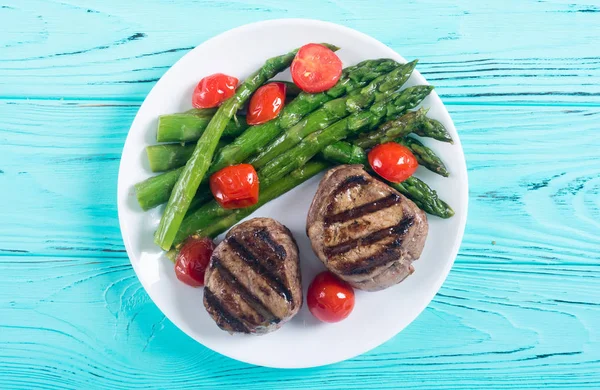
{"points": [[294, 158], [379, 89], [413, 188], [256, 137], [198, 164]]}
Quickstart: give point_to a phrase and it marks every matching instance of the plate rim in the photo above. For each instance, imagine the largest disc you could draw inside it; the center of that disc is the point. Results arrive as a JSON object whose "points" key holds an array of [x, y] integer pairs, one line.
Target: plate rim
{"points": [[437, 283]]}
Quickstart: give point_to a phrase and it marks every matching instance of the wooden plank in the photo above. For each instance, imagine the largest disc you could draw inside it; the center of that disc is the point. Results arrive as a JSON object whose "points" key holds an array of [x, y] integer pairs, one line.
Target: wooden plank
{"points": [[87, 322], [534, 176], [475, 52]]}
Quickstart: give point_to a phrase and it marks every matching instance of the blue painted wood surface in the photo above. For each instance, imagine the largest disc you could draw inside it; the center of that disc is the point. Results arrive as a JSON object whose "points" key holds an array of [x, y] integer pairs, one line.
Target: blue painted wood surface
{"points": [[521, 307]]}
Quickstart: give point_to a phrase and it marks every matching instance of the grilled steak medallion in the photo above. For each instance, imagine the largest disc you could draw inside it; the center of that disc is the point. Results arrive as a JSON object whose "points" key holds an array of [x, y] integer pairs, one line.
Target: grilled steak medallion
{"points": [[252, 284], [364, 231]]}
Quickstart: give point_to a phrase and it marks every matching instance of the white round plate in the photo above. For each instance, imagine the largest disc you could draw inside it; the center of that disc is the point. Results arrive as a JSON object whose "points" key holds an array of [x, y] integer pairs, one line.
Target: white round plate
{"points": [[303, 342]]}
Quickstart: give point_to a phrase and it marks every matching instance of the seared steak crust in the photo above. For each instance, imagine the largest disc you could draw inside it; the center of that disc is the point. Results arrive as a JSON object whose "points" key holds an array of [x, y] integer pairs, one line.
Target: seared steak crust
{"points": [[364, 231], [252, 284]]}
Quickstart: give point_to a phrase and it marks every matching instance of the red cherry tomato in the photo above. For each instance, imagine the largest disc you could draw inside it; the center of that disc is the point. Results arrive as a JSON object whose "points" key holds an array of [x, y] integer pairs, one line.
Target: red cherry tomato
{"points": [[193, 259], [316, 68], [330, 299], [235, 187], [214, 90], [393, 162], [266, 103]]}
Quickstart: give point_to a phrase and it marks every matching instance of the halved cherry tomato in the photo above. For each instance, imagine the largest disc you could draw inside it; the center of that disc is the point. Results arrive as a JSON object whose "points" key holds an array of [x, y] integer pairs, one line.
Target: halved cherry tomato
{"points": [[193, 259], [316, 68], [393, 162], [329, 298], [235, 187], [266, 103], [214, 90]]}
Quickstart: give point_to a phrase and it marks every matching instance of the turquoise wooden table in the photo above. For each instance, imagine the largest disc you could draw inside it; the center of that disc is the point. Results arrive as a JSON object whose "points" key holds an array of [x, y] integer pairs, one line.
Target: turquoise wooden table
{"points": [[521, 307]]}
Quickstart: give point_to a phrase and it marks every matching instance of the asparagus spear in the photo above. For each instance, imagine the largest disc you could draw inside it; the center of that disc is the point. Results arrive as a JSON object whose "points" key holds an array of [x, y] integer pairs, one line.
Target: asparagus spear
{"points": [[434, 129], [316, 142], [256, 137], [156, 190], [424, 197], [204, 220], [379, 89], [202, 111], [198, 164], [403, 126], [415, 122], [187, 127], [425, 156], [398, 127], [165, 157], [168, 156]]}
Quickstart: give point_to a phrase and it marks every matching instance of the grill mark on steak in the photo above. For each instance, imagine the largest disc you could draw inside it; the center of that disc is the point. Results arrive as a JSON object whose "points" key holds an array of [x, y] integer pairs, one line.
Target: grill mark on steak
{"points": [[346, 185], [351, 182], [267, 251], [271, 278], [277, 249], [232, 322], [384, 256], [237, 287], [359, 211], [400, 230]]}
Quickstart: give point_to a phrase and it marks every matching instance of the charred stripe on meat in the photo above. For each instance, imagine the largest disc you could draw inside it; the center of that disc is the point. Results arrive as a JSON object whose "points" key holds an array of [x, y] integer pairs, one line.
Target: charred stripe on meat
{"points": [[399, 230], [362, 210], [244, 293], [270, 277], [223, 315], [276, 249]]}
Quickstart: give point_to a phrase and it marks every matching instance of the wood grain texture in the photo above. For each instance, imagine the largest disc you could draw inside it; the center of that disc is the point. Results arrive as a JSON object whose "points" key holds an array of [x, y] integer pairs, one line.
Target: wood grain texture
{"points": [[499, 52], [87, 323], [521, 307]]}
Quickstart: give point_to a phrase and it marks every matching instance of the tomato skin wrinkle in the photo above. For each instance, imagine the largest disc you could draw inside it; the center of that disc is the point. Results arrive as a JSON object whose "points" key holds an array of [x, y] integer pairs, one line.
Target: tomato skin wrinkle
{"points": [[235, 187], [316, 68], [266, 103], [192, 260], [213, 90], [393, 162], [329, 298]]}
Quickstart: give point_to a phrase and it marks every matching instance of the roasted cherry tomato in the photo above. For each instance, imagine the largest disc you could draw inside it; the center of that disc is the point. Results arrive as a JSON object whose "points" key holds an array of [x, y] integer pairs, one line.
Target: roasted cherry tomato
{"points": [[235, 187], [316, 68], [193, 259], [329, 298], [214, 90], [266, 103], [393, 162]]}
